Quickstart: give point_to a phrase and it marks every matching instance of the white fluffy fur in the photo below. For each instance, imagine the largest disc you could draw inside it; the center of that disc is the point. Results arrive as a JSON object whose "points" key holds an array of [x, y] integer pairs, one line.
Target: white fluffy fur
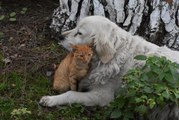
{"points": [[115, 49]]}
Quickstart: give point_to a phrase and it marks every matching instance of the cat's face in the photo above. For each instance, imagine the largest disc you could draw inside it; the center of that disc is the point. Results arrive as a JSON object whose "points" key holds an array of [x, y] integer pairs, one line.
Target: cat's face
{"points": [[82, 53]]}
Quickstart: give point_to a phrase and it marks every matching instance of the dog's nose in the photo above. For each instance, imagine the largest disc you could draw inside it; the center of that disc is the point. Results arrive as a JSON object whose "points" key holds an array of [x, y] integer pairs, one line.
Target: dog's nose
{"points": [[61, 37]]}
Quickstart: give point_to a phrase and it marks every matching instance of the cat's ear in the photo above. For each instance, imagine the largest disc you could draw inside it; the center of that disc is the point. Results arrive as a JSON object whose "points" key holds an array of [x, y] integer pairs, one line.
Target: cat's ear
{"points": [[74, 47]]}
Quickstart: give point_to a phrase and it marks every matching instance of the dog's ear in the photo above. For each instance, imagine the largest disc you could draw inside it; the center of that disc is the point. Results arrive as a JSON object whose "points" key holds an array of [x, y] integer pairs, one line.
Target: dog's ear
{"points": [[104, 48]]}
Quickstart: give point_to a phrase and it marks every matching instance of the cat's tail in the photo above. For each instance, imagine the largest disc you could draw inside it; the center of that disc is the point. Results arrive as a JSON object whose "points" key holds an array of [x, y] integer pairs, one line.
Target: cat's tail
{"points": [[99, 97]]}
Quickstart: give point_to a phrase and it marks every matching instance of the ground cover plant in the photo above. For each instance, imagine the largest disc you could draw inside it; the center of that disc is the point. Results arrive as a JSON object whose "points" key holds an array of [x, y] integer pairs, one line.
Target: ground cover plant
{"points": [[155, 84]]}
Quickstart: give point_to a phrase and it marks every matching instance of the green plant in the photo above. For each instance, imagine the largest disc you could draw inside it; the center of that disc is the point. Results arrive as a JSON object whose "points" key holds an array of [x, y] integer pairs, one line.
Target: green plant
{"points": [[1, 60], [20, 113], [12, 16], [1, 35], [24, 10], [73, 111], [1, 38], [2, 17], [144, 88]]}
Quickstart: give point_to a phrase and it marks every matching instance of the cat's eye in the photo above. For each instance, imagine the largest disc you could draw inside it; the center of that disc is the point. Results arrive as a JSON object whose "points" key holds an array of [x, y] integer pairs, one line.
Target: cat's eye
{"points": [[81, 55]]}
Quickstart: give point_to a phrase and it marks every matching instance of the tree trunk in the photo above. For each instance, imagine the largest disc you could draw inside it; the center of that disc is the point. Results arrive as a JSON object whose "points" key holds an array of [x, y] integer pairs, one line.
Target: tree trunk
{"points": [[156, 20]]}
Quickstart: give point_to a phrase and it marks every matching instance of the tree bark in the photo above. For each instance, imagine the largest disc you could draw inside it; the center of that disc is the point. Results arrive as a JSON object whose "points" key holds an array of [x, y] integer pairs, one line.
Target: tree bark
{"points": [[156, 20]]}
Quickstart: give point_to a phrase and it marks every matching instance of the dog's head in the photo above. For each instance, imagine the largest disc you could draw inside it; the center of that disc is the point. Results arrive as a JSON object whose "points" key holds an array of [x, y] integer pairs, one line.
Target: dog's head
{"points": [[93, 29]]}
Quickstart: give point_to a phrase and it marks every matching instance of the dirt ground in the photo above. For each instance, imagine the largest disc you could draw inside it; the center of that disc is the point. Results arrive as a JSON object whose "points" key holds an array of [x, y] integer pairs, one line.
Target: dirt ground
{"points": [[26, 42]]}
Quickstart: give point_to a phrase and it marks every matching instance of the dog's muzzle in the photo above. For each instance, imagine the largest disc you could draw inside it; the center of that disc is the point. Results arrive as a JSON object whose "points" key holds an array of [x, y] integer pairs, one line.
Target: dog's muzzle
{"points": [[61, 37]]}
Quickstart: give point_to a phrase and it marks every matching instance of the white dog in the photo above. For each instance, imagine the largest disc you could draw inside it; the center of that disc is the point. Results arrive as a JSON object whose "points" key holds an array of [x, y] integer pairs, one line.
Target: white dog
{"points": [[115, 50]]}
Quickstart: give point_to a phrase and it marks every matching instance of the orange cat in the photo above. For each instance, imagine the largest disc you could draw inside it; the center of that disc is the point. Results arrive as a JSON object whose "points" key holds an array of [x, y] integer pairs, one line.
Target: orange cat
{"points": [[73, 68]]}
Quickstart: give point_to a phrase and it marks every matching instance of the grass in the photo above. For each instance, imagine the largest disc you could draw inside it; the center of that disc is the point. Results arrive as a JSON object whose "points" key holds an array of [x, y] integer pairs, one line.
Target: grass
{"points": [[19, 91], [20, 94]]}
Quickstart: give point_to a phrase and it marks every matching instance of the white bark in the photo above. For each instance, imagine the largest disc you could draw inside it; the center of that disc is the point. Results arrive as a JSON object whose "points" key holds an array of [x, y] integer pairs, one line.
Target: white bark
{"points": [[119, 8], [137, 18], [110, 8], [130, 10], [74, 8], [168, 17], [154, 22], [161, 20], [98, 8], [84, 9]]}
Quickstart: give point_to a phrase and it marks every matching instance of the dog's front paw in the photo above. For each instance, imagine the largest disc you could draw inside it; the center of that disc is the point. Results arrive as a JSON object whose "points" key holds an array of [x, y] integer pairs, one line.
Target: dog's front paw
{"points": [[48, 101]]}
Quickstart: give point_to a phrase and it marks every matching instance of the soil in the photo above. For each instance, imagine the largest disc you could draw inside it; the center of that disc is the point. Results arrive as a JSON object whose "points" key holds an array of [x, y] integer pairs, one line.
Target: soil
{"points": [[26, 43]]}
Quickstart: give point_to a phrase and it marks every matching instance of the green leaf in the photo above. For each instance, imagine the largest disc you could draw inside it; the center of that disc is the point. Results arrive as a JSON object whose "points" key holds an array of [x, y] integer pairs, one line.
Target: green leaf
{"points": [[169, 77], [141, 109], [24, 9], [151, 103], [2, 17], [159, 88], [177, 66], [166, 94], [1, 35], [176, 94], [22, 12], [12, 19], [156, 70], [159, 99], [129, 114], [174, 73], [148, 89], [116, 114], [121, 102], [138, 100], [12, 14], [161, 76], [140, 57], [132, 93]]}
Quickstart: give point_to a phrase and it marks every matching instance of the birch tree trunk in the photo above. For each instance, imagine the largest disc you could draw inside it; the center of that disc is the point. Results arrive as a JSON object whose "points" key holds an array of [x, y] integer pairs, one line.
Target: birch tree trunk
{"points": [[156, 20]]}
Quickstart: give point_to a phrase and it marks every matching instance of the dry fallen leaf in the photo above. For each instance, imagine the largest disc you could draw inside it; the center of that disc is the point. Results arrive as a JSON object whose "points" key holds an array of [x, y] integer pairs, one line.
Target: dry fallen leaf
{"points": [[6, 60]]}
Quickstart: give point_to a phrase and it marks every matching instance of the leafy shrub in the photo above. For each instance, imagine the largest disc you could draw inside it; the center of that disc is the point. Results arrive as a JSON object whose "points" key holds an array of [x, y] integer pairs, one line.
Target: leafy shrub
{"points": [[156, 83]]}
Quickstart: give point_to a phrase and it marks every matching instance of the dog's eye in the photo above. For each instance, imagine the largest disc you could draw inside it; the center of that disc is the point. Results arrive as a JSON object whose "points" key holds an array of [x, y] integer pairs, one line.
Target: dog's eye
{"points": [[78, 33]]}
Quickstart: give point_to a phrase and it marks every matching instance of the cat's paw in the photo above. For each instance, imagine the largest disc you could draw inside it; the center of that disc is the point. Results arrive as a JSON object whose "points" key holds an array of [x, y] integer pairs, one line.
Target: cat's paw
{"points": [[48, 101]]}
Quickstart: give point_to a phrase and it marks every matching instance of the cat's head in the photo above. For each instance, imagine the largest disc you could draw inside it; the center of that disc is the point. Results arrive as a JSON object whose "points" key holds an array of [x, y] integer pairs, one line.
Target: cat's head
{"points": [[82, 53]]}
